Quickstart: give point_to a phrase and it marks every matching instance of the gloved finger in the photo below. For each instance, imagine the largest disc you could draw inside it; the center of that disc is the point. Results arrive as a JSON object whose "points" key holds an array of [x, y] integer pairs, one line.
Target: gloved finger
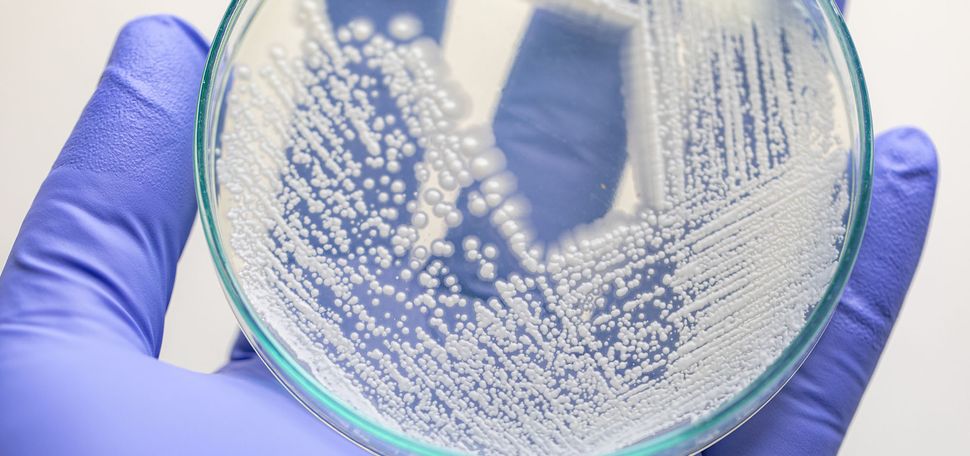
{"points": [[97, 253], [841, 4], [561, 127], [560, 121], [812, 413]]}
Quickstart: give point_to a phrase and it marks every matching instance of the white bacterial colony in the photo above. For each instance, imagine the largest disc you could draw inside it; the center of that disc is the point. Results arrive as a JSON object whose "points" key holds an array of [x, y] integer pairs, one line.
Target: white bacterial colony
{"points": [[393, 255]]}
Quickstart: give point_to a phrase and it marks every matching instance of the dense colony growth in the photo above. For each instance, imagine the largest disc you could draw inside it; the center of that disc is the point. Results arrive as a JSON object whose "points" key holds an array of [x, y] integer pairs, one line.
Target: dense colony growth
{"points": [[394, 256]]}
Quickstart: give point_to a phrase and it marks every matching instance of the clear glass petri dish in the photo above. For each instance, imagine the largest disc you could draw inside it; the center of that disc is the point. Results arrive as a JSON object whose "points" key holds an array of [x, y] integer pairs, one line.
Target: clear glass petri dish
{"points": [[637, 216]]}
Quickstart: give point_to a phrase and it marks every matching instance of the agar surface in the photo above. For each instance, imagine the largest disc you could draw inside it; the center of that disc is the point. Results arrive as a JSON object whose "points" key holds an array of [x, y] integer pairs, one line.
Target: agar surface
{"points": [[393, 255]]}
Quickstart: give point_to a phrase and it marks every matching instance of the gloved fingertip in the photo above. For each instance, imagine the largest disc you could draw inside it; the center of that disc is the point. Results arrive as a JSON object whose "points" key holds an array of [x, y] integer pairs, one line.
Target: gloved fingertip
{"points": [[189, 30], [907, 154], [157, 48], [162, 27], [149, 91]]}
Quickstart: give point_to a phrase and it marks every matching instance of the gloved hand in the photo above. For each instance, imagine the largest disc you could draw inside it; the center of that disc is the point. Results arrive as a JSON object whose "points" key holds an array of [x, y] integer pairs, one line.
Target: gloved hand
{"points": [[84, 294]]}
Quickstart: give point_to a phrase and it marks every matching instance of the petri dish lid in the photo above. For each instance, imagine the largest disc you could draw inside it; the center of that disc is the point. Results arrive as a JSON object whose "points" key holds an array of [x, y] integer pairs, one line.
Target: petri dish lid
{"points": [[557, 227]]}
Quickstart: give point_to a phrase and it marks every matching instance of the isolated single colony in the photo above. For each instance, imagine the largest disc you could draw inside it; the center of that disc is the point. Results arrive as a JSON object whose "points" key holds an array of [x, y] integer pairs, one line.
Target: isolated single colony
{"points": [[547, 272]]}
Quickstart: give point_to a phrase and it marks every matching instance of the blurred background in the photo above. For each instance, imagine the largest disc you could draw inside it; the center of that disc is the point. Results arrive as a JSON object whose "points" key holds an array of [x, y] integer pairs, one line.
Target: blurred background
{"points": [[918, 69]]}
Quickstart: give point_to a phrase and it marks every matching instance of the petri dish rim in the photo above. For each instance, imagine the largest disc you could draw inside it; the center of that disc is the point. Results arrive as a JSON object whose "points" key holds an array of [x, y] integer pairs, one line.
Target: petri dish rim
{"points": [[690, 439]]}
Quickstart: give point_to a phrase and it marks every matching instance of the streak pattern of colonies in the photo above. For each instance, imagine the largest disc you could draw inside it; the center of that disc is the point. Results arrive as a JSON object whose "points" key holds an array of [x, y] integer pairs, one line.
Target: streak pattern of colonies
{"points": [[393, 254]]}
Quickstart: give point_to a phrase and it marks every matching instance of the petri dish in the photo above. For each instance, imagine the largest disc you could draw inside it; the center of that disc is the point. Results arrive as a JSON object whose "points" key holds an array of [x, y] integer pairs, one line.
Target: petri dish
{"points": [[533, 226]]}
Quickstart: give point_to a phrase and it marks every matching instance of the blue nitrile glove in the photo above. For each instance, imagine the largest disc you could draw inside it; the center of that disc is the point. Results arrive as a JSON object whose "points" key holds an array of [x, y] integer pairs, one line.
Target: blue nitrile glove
{"points": [[84, 294]]}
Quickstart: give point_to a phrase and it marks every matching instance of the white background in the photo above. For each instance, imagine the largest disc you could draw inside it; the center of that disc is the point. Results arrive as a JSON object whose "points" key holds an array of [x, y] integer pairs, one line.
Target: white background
{"points": [[917, 58]]}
